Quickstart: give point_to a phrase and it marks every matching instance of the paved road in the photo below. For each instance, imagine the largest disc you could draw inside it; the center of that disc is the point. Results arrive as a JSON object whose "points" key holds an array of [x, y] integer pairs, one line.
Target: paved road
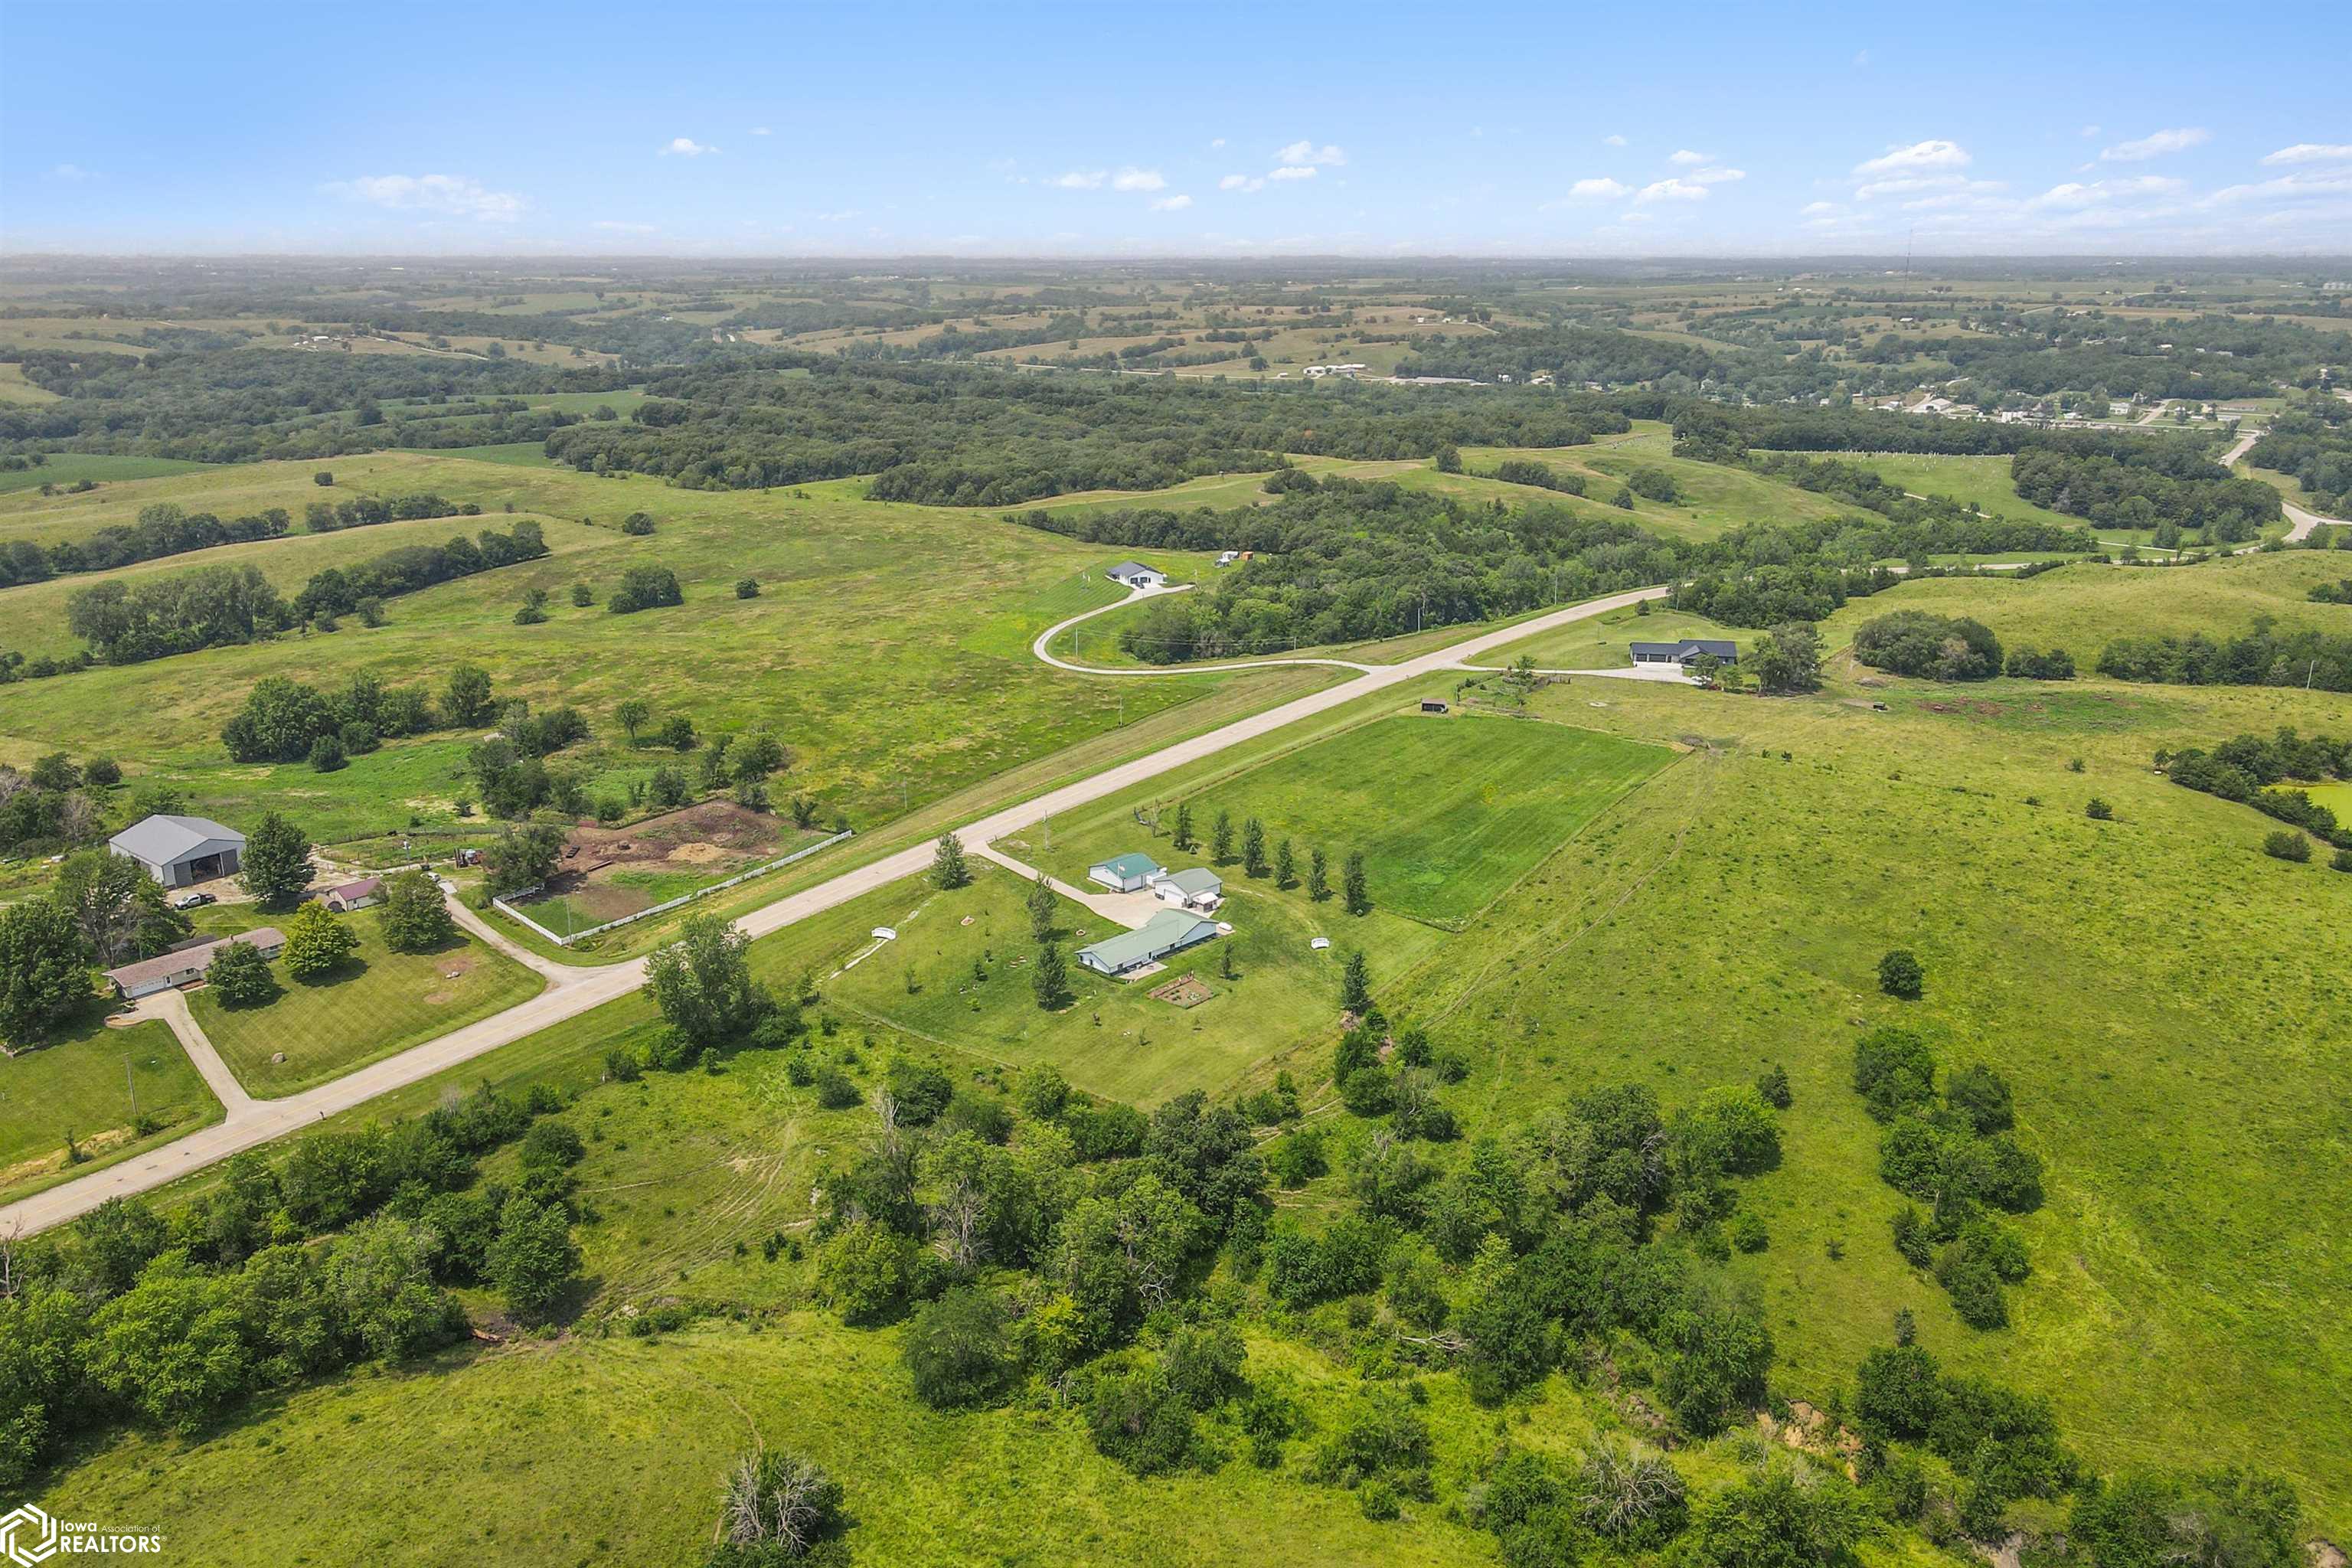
{"points": [[1042, 648], [2301, 524], [172, 1008], [579, 990]]}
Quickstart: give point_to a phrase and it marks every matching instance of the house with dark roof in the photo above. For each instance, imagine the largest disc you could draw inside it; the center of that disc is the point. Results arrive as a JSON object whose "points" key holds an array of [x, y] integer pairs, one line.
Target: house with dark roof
{"points": [[1135, 575], [1170, 930], [178, 850], [1682, 652], [360, 895]]}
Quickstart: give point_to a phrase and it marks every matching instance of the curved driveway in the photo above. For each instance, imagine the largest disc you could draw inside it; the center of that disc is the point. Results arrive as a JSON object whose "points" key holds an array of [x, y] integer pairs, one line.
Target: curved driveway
{"points": [[574, 991]]}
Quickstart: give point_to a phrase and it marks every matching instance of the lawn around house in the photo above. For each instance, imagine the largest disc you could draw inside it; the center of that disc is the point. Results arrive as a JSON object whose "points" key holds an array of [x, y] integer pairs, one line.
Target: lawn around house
{"points": [[378, 1001], [77, 1086]]}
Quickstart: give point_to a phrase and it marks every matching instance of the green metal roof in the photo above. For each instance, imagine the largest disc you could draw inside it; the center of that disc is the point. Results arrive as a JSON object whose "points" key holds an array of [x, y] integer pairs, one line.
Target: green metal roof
{"points": [[1134, 863], [1162, 933]]}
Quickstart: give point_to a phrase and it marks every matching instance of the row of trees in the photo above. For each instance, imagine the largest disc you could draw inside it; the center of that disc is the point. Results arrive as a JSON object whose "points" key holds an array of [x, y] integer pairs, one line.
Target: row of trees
{"points": [[2264, 656]]}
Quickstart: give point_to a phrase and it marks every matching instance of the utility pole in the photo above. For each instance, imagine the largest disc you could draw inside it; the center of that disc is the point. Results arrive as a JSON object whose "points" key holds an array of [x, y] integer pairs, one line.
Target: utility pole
{"points": [[131, 1084]]}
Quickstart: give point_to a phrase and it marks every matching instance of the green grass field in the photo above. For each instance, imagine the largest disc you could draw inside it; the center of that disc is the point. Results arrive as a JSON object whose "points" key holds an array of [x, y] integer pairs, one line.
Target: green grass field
{"points": [[1447, 812], [79, 1086], [378, 1002], [1982, 483], [2082, 608], [63, 469], [891, 692]]}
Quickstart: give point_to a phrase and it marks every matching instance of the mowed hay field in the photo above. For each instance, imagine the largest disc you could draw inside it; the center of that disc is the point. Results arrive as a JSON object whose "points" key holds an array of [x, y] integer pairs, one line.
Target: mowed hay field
{"points": [[2173, 1008], [1447, 810]]}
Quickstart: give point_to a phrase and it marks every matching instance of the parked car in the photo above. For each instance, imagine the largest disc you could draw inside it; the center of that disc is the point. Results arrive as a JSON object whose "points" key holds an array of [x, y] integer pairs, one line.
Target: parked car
{"points": [[193, 900]]}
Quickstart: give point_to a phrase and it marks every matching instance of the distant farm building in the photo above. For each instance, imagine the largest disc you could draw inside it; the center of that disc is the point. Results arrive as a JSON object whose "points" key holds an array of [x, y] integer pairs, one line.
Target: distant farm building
{"points": [[1125, 873], [1682, 652], [1433, 704], [186, 966], [178, 850], [1199, 890], [1170, 930], [1135, 575]]}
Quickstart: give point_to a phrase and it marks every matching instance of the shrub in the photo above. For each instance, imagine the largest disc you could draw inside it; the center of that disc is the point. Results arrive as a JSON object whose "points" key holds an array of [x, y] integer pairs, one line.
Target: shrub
{"points": [[2099, 810], [327, 755], [747, 588], [865, 1271], [2287, 845], [638, 523], [1894, 1071], [1900, 974], [1136, 1418], [957, 1351], [1914, 642]]}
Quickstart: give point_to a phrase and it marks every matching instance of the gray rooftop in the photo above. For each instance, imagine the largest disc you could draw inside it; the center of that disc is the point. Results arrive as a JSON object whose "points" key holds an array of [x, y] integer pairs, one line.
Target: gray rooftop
{"points": [[1163, 932], [161, 840], [1191, 883]]}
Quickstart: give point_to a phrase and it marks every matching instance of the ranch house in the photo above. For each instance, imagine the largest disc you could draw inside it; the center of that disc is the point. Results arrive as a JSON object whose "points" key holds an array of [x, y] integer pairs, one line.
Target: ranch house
{"points": [[186, 966], [1126, 873], [1170, 930], [1682, 652], [1135, 575]]}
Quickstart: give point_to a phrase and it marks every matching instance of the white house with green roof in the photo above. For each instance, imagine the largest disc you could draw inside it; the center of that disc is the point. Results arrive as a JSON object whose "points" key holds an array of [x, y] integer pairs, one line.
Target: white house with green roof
{"points": [[1169, 932], [1128, 873]]}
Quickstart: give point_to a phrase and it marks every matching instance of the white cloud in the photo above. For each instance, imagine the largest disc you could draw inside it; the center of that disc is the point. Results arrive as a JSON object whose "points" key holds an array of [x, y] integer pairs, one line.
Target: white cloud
{"points": [[1817, 209], [1081, 180], [1612, 141], [1292, 172], [2077, 194], [1717, 176], [613, 226], [2301, 153], [1677, 190], [1241, 183], [1138, 180], [1307, 153], [1216, 144], [1915, 184], [1601, 188], [1686, 158], [761, 131], [2089, 132], [685, 147], [1932, 154], [1860, 58], [2306, 184], [1172, 204], [70, 172], [453, 195], [2178, 140]]}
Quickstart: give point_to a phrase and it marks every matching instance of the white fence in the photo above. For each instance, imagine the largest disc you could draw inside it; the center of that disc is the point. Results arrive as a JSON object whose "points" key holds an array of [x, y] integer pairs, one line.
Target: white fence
{"points": [[567, 939]]}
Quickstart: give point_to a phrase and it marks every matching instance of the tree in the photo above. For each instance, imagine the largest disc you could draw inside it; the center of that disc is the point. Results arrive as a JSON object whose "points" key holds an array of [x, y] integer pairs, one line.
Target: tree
{"points": [[316, 942], [957, 1351], [240, 975], [948, 869], [378, 1280], [277, 866], [1318, 875], [1184, 824], [1254, 848], [1356, 985], [1449, 459], [1043, 906], [524, 855], [120, 910], [44, 971], [532, 1258], [1900, 974], [631, 715], [864, 1269], [327, 755], [414, 918], [702, 982], [2099, 810], [1051, 978], [1773, 1522], [1220, 838], [1351, 879], [778, 1508], [1787, 658], [466, 695], [1285, 865]]}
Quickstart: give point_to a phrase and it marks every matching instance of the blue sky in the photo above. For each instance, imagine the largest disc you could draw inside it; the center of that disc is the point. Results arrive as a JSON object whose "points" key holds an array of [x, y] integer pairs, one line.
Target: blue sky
{"points": [[1130, 128]]}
